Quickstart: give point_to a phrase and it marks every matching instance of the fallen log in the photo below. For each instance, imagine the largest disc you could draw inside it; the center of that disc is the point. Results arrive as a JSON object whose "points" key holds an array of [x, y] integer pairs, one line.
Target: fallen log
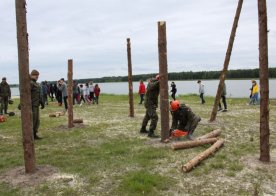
{"points": [[53, 115], [196, 160], [78, 121], [212, 134], [191, 144]]}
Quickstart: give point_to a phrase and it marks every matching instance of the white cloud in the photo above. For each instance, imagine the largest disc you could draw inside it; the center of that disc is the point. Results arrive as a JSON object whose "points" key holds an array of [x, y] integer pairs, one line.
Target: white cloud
{"points": [[94, 34]]}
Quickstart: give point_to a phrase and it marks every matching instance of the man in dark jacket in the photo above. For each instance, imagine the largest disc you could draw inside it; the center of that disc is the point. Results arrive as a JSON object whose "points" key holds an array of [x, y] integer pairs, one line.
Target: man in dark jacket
{"points": [[151, 104], [183, 118], [37, 100], [5, 96]]}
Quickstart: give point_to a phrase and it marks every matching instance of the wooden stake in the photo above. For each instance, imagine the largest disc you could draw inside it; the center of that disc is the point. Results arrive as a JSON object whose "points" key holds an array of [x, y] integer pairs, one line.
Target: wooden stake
{"points": [[163, 73], [191, 144], [264, 83], [70, 94], [226, 62], [130, 85], [25, 90], [195, 161], [212, 134]]}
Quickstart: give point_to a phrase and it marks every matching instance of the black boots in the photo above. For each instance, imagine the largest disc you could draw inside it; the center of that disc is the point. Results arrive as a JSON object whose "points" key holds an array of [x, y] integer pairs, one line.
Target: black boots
{"points": [[143, 130], [152, 135], [36, 137]]}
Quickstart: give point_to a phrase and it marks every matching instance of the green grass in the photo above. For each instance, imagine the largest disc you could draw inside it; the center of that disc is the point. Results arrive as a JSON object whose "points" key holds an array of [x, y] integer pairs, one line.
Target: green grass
{"points": [[108, 156]]}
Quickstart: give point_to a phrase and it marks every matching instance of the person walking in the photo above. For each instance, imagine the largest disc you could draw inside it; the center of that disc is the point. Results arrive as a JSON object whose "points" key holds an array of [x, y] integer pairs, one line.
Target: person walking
{"points": [[223, 97], [97, 92], [151, 104], [142, 91], [37, 100], [5, 96], [174, 90], [183, 118], [81, 95], [255, 94], [91, 92], [201, 91], [44, 92], [62, 86], [76, 93]]}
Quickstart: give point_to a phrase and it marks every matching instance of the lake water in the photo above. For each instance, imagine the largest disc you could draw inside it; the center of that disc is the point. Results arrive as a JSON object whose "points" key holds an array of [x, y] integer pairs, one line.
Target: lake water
{"points": [[235, 88]]}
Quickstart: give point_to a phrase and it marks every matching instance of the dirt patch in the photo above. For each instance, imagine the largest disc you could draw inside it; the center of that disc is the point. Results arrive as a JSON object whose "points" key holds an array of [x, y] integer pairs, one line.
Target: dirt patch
{"points": [[253, 162], [17, 176], [65, 127]]}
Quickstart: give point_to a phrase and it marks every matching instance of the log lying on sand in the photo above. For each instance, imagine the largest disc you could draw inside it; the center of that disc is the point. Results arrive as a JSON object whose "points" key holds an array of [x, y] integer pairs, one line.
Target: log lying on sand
{"points": [[196, 160], [78, 121], [212, 134], [191, 144], [56, 114]]}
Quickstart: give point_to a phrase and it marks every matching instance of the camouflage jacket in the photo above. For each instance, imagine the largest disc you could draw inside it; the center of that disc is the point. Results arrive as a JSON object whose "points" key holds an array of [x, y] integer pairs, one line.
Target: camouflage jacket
{"points": [[36, 94], [5, 90], [180, 117], [151, 98]]}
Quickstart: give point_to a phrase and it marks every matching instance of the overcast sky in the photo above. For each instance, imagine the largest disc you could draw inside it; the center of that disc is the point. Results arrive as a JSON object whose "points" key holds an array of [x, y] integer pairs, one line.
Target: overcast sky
{"points": [[94, 33]]}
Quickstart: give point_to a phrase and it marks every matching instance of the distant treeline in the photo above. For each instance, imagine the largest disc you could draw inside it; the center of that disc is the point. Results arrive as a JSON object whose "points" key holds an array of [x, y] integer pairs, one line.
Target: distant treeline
{"points": [[201, 75]]}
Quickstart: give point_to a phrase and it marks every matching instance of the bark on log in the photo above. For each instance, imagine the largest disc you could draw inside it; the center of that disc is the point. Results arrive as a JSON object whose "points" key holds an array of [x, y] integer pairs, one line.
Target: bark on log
{"points": [[130, 84], [78, 121], [191, 144], [264, 83], [163, 73], [226, 62], [70, 94], [24, 81], [196, 160], [212, 134]]}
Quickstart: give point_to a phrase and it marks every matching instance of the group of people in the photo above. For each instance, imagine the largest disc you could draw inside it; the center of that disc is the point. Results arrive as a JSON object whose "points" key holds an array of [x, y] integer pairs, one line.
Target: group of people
{"points": [[40, 94], [184, 119], [87, 93]]}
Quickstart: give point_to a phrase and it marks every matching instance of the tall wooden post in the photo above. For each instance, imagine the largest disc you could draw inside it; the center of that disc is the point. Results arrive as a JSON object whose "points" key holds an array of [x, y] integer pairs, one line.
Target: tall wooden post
{"points": [[24, 80], [163, 73], [264, 82], [130, 85], [226, 61], [70, 94]]}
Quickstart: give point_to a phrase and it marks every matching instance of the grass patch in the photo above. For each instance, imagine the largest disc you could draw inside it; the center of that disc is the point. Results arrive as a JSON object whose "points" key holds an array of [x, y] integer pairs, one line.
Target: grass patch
{"points": [[144, 183]]}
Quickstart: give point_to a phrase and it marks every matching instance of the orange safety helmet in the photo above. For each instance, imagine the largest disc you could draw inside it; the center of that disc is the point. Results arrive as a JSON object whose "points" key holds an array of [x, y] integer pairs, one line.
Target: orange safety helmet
{"points": [[175, 105]]}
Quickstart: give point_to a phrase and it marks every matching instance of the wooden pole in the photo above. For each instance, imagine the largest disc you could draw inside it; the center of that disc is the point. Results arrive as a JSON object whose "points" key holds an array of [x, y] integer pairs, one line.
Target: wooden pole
{"points": [[264, 83], [191, 144], [212, 134], [70, 94], [195, 161], [163, 73], [130, 85], [226, 62], [24, 80]]}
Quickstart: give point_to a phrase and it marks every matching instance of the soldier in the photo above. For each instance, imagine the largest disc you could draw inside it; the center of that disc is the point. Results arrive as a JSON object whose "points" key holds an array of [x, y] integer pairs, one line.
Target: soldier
{"points": [[151, 104], [37, 100], [183, 118], [5, 96]]}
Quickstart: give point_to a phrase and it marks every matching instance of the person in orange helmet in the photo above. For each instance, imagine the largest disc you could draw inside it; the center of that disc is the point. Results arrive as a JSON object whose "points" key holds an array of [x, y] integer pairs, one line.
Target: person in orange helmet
{"points": [[183, 118]]}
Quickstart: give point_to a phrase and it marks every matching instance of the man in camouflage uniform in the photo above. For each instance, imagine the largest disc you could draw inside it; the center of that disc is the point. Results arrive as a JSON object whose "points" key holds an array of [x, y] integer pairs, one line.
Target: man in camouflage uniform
{"points": [[5, 96], [37, 100], [183, 118], [151, 104]]}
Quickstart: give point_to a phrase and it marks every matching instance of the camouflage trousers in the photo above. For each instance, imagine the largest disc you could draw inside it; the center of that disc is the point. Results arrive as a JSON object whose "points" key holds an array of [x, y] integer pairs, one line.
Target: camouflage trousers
{"points": [[36, 119], [192, 124], [4, 101], [150, 115]]}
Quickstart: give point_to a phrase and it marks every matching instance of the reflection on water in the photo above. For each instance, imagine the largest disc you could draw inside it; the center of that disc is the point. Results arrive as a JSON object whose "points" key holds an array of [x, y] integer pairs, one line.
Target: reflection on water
{"points": [[235, 88]]}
